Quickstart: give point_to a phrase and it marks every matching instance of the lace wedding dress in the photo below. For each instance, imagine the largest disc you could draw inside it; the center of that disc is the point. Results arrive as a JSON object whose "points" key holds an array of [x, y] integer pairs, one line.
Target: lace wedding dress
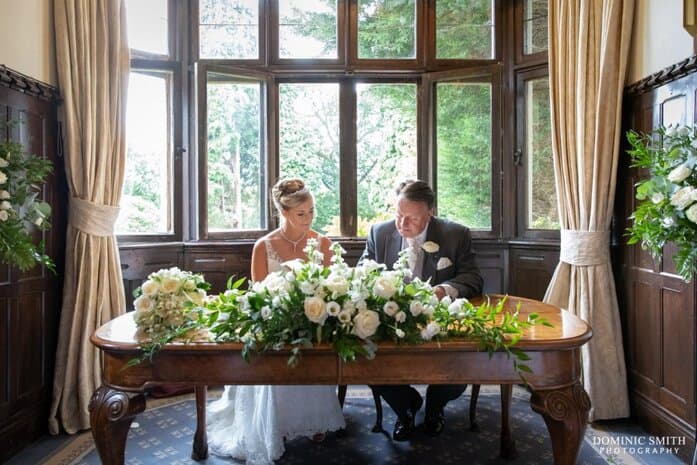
{"points": [[250, 423]]}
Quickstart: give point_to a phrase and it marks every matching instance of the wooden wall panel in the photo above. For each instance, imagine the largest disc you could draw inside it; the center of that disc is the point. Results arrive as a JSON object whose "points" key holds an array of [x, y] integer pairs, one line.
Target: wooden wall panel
{"points": [[492, 264], [531, 270], [30, 301], [657, 307]]}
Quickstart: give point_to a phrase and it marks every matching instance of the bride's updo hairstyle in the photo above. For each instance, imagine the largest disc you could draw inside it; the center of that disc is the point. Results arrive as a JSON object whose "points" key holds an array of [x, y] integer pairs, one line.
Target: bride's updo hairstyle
{"points": [[289, 193]]}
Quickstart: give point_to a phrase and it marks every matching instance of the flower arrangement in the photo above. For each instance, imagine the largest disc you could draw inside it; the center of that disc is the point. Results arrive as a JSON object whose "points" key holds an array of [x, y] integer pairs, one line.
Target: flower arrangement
{"points": [[667, 211], [306, 303], [170, 306], [21, 211], [352, 309]]}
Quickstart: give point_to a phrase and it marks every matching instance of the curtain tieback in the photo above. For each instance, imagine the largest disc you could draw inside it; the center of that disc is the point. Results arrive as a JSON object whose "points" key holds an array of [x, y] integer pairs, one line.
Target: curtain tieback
{"points": [[92, 218], [584, 248]]}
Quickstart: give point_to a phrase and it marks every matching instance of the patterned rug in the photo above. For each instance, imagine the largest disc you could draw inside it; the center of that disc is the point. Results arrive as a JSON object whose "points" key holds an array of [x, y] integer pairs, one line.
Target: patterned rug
{"points": [[163, 436]]}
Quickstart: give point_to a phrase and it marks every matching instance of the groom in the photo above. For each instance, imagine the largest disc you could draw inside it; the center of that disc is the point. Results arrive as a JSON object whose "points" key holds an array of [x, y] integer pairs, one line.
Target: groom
{"points": [[442, 251]]}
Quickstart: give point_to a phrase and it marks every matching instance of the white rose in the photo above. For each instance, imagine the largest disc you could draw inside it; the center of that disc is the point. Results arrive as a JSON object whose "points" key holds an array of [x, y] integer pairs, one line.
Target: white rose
{"points": [[3, 163], [3, 178], [337, 284], [400, 334], [5, 205], [38, 221], [691, 213], [683, 131], [4, 215], [430, 330], [400, 317], [333, 308], [430, 247], [657, 197], [668, 222], [170, 285], [150, 287], [679, 174], [390, 308], [428, 310], [265, 312], [365, 323], [143, 304], [416, 308], [4, 194], [344, 317], [315, 310], [682, 198], [384, 287]]}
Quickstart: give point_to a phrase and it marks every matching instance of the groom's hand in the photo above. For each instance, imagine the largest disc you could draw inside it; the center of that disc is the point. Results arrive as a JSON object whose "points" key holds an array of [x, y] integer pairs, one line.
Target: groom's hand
{"points": [[439, 291]]}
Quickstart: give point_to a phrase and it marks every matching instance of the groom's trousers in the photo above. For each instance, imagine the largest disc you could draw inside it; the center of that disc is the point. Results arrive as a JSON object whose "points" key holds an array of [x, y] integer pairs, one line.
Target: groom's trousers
{"points": [[402, 397]]}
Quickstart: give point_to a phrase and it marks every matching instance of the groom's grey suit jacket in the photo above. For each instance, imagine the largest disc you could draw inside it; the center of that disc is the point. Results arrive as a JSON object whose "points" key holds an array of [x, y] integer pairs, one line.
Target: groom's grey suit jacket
{"points": [[454, 241]]}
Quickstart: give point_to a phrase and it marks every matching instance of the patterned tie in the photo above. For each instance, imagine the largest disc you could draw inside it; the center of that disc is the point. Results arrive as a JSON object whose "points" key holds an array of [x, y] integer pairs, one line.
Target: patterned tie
{"points": [[414, 255]]}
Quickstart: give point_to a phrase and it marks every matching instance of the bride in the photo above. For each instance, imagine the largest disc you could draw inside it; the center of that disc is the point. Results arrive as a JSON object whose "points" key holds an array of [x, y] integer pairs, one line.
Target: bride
{"points": [[251, 422]]}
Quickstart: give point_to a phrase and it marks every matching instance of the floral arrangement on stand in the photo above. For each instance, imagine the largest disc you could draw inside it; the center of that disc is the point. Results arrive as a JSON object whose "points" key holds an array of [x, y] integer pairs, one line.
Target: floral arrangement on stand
{"points": [[21, 211], [352, 309], [667, 211]]}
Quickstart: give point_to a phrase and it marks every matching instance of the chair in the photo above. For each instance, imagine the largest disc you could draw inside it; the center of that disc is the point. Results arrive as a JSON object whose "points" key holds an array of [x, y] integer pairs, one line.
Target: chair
{"points": [[507, 444]]}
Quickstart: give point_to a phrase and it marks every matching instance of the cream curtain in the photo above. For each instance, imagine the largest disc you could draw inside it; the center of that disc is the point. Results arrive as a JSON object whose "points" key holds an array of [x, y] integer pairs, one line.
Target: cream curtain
{"points": [[588, 51], [93, 65]]}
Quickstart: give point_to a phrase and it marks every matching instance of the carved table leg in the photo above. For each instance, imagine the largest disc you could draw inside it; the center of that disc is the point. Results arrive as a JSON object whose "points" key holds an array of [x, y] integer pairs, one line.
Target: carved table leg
{"points": [[565, 412], [111, 414], [200, 449], [508, 450]]}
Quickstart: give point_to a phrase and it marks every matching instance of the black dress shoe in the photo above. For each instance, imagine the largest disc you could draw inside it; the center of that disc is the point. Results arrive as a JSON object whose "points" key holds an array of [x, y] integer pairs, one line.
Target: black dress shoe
{"points": [[433, 424], [404, 426]]}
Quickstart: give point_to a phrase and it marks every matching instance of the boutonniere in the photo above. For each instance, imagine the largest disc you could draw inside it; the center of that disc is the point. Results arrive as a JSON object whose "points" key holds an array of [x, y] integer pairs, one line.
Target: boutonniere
{"points": [[430, 247]]}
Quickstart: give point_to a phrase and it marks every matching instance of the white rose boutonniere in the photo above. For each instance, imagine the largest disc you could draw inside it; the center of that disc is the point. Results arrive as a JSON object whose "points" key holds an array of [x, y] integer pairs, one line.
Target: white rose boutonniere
{"points": [[430, 247]]}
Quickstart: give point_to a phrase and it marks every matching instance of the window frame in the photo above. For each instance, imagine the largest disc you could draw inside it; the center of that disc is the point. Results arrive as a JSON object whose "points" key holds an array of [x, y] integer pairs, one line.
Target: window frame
{"points": [[492, 74], [173, 63], [338, 63], [521, 207], [406, 64], [433, 62], [268, 124], [522, 58]]}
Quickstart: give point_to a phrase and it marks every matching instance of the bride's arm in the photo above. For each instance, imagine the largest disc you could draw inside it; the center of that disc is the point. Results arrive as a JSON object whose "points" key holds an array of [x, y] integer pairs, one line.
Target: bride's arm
{"points": [[259, 263]]}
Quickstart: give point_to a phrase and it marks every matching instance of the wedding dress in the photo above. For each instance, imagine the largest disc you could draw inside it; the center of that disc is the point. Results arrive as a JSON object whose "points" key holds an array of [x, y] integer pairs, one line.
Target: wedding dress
{"points": [[250, 423]]}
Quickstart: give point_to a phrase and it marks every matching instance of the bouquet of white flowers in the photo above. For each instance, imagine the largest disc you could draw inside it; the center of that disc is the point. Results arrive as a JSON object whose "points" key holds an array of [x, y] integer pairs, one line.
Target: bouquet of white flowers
{"points": [[170, 305], [667, 211]]}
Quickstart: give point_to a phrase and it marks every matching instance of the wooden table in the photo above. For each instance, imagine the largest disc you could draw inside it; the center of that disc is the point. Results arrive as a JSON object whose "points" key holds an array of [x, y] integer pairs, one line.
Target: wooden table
{"points": [[557, 394]]}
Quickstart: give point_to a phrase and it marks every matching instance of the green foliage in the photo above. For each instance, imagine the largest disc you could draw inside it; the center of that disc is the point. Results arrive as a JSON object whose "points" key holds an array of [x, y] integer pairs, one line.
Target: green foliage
{"points": [[22, 212], [667, 207]]}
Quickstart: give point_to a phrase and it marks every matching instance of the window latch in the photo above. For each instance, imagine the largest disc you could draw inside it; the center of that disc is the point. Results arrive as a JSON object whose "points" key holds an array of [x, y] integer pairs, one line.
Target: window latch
{"points": [[518, 157]]}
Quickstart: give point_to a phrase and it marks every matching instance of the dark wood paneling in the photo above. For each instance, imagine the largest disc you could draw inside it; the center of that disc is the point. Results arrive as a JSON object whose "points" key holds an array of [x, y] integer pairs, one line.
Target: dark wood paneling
{"points": [[657, 308], [30, 301], [531, 270], [492, 264]]}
